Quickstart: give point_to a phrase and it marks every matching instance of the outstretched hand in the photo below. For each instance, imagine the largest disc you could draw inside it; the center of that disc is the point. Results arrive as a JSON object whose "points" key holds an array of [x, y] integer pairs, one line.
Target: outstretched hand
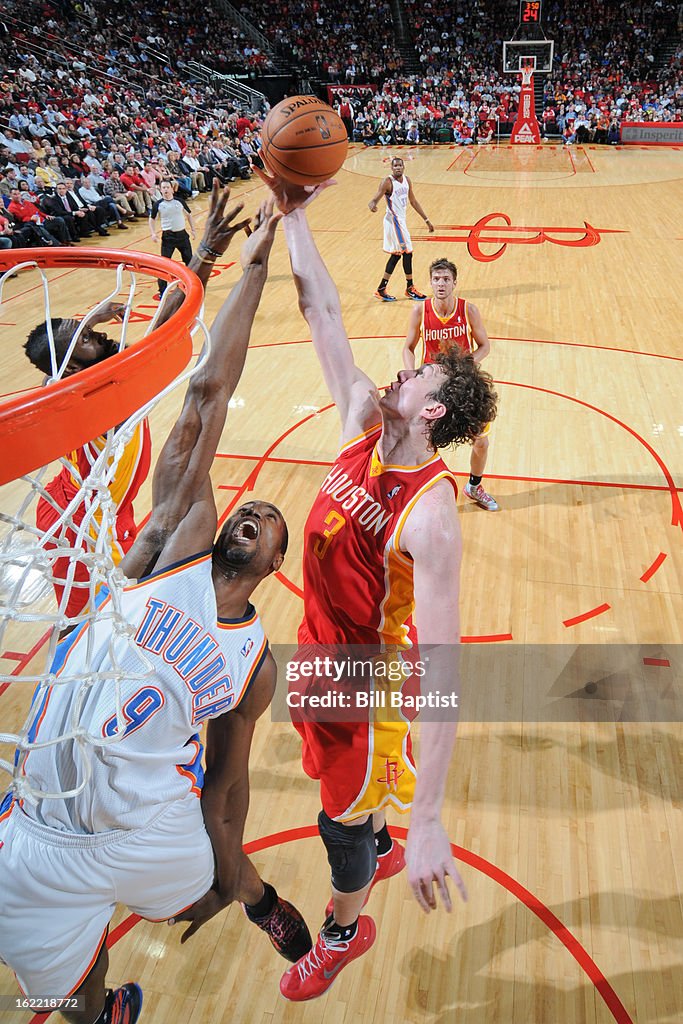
{"points": [[200, 912], [256, 249], [429, 860], [288, 196], [112, 311], [221, 226]]}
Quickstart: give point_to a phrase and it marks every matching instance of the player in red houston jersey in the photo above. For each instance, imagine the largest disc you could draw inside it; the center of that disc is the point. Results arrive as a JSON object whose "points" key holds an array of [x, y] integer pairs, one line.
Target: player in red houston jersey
{"points": [[382, 542], [445, 322]]}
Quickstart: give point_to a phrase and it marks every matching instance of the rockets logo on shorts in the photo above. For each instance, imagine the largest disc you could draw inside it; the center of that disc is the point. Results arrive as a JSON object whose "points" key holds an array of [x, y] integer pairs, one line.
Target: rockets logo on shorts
{"points": [[391, 774]]}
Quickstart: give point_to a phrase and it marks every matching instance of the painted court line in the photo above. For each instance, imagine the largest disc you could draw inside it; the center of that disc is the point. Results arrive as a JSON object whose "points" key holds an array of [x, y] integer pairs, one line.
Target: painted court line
{"points": [[600, 610]]}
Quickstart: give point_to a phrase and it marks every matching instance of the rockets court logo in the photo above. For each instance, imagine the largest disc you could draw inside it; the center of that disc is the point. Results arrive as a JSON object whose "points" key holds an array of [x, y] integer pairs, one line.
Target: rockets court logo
{"points": [[490, 232]]}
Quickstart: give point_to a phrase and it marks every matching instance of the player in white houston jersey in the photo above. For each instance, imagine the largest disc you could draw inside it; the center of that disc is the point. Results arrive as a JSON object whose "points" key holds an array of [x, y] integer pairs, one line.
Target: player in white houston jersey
{"points": [[138, 833]]}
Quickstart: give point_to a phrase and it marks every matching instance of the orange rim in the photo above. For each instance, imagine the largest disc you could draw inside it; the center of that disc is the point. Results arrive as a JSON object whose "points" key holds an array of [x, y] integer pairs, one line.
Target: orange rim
{"points": [[43, 424]]}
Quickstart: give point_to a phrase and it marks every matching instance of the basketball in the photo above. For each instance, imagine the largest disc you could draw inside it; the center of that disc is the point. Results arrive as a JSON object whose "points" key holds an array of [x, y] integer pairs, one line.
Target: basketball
{"points": [[303, 140]]}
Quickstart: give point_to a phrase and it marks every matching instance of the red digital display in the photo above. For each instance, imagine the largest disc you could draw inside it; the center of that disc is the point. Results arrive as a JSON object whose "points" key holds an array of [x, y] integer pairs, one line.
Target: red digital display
{"points": [[530, 11]]}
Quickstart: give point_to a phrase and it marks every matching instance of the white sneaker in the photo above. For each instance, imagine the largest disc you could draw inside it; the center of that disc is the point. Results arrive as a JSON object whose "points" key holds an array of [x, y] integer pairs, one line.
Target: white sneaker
{"points": [[195, 193], [481, 497]]}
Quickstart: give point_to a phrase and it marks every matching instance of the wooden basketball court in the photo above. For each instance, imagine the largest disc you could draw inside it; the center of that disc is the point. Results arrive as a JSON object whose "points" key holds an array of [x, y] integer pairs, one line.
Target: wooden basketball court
{"points": [[564, 798]]}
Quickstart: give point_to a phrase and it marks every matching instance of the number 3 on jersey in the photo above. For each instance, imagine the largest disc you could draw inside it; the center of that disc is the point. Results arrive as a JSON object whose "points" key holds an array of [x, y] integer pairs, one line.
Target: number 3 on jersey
{"points": [[335, 522]]}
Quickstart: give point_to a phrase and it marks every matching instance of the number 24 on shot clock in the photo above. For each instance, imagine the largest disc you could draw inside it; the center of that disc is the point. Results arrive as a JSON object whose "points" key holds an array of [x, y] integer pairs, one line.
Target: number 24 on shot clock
{"points": [[530, 11]]}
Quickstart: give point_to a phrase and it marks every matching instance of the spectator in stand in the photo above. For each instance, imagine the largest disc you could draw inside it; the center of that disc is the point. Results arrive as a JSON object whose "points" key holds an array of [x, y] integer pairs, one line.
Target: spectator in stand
{"points": [[52, 230], [220, 168], [114, 187], [152, 177], [21, 236], [18, 147], [9, 181], [58, 205], [236, 165], [189, 165], [369, 136], [89, 194], [46, 175], [5, 233], [77, 169], [248, 149], [87, 215], [197, 161], [184, 180], [136, 190], [359, 125], [413, 134]]}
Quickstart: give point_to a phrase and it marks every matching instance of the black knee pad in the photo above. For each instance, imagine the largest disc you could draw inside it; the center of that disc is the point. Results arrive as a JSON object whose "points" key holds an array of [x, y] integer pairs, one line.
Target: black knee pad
{"points": [[351, 852], [408, 264], [391, 264]]}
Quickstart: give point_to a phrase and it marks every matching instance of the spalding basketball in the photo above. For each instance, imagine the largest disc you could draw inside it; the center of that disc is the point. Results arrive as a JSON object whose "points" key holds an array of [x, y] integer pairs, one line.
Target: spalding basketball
{"points": [[303, 140]]}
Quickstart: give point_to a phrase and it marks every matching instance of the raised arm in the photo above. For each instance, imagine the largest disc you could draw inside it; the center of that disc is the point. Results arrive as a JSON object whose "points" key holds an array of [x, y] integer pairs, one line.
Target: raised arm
{"points": [[412, 336], [481, 338], [353, 392], [416, 206], [383, 190], [183, 519], [433, 526]]}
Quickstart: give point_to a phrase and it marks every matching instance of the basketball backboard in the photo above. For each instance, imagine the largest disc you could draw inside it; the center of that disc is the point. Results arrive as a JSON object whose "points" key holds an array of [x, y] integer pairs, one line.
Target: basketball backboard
{"points": [[515, 50]]}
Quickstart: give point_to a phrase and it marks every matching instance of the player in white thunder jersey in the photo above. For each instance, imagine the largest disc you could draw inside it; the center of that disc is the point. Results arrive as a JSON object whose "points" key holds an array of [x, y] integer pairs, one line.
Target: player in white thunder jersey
{"points": [[146, 830], [398, 192]]}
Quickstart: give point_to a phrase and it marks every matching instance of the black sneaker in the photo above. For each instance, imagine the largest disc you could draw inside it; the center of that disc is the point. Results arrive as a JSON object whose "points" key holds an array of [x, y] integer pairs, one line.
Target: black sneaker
{"points": [[123, 1005], [286, 929]]}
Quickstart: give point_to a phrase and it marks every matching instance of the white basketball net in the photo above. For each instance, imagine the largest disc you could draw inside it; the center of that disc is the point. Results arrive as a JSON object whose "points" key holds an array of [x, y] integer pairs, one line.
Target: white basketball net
{"points": [[32, 562], [527, 71]]}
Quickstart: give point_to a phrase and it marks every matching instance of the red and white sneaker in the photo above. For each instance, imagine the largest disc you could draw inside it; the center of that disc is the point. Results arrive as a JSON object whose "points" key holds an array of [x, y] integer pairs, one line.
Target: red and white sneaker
{"points": [[390, 863], [481, 497], [315, 972]]}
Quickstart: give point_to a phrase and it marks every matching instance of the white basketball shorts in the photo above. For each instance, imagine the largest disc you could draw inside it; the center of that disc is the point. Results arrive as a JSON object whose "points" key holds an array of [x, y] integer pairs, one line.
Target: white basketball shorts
{"points": [[60, 889], [396, 235]]}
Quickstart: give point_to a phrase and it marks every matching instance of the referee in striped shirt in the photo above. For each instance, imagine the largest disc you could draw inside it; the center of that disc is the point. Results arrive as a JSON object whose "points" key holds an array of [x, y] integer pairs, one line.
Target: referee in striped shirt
{"points": [[173, 213]]}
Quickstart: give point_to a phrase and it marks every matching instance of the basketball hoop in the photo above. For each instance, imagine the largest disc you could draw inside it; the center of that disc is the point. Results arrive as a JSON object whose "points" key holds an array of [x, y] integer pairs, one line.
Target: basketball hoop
{"points": [[40, 425], [99, 411], [527, 66]]}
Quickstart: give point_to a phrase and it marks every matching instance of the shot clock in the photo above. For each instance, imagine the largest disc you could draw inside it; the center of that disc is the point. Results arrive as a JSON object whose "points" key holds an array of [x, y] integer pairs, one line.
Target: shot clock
{"points": [[530, 12]]}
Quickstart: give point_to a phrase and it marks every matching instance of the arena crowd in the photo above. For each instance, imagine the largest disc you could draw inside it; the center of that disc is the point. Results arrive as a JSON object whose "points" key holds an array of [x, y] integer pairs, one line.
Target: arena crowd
{"points": [[96, 111]]}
